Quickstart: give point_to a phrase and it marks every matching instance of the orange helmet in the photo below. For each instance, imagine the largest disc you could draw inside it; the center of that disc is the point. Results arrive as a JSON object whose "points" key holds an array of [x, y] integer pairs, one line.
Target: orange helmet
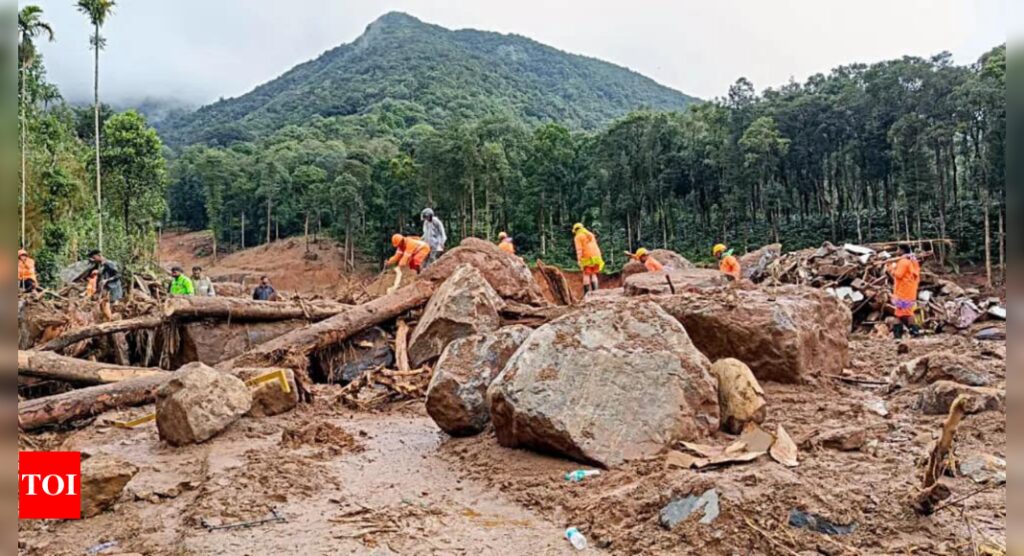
{"points": [[396, 240]]}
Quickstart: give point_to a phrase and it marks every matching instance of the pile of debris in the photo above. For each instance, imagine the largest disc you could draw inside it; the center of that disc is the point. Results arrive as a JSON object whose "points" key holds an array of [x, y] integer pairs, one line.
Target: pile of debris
{"points": [[858, 276]]}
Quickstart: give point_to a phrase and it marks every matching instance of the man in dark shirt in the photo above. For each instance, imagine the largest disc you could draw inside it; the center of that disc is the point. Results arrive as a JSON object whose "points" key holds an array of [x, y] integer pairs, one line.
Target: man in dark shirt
{"points": [[264, 291], [109, 278]]}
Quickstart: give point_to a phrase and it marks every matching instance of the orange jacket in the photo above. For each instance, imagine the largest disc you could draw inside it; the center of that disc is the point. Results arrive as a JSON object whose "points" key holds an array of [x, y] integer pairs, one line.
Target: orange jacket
{"points": [[411, 249], [27, 269], [730, 265], [906, 274], [507, 246], [652, 265], [587, 251]]}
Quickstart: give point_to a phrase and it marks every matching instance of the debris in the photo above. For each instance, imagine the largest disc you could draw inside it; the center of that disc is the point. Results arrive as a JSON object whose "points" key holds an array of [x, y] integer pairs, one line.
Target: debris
{"points": [[740, 397], [941, 365], [49, 365], [984, 468], [616, 382], [997, 312], [753, 439], [198, 403], [332, 438], [380, 386], [270, 398], [275, 517], [103, 478], [789, 334], [580, 474], [877, 406], [97, 548], [820, 524], [934, 467], [754, 263], [556, 283], [681, 460], [990, 333], [346, 362], [681, 508], [211, 342], [457, 395], [64, 408], [844, 439], [464, 305], [938, 397], [784, 450], [575, 538]]}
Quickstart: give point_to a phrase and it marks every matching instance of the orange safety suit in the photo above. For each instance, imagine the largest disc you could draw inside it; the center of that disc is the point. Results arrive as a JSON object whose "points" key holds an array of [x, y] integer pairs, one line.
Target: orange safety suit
{"points": [[588, 254], [906, 274], [27, 269], [652, 265], [507, 246], [411, 253], [730, 265]]}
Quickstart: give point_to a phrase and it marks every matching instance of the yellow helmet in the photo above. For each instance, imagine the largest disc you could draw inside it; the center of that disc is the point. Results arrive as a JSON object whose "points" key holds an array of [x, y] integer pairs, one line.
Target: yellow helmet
{"points": [[502, 235], [577, 227], [640, 252], [717, 249]]}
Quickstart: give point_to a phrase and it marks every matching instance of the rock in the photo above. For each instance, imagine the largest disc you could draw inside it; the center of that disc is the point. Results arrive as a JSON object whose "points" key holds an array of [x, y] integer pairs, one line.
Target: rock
{"points": [[844, 439], [937, 397], [681, 508], [754, 263], [507, 274], [740, 397], [790, 334], [696, 279], [984, 468], [941, 365], [611, 383], [198, 403], [103, 478], [457, 395], [213, 342], [464, 305], [991, 333], [784, 450], [269, 398], [669, 259]]}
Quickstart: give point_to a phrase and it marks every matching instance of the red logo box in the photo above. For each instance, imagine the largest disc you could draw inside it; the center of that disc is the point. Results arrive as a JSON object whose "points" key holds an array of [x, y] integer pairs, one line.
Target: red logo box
{"points": [[49, 485]]}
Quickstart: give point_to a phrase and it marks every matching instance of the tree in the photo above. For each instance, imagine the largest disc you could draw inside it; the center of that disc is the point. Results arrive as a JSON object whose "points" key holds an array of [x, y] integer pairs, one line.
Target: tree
{"points": [[135, 172], [30, 26], [97, 11]]}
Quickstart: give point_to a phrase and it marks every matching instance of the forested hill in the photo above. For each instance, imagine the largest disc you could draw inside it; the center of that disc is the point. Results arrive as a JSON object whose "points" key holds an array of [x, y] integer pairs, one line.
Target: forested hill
{"points": [[423, 73]]}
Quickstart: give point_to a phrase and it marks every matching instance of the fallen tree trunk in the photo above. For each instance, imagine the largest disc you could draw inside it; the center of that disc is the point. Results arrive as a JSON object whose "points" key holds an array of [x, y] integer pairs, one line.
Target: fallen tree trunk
{"points": [[233, 308], [293, 349], [76, 335], [87, 402], [46, 364]]}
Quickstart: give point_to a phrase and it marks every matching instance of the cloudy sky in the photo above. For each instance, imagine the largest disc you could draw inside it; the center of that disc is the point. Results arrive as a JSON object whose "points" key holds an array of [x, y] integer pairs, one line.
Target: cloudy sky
{"points": [[200, 50]]}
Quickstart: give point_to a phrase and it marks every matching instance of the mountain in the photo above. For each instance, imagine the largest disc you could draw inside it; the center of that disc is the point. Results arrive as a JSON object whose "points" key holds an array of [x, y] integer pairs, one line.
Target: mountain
{"points": [[426, 73]]}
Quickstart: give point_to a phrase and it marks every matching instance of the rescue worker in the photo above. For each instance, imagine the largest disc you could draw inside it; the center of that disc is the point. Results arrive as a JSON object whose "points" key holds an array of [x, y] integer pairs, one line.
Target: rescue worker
{"points": [[264, 291], [727, 262], [91, 284], [433, 235], [505, 243], [588, 256], [650, 263], [180, 284], [410, 252], [906, 276], [108, 282], [203, 284], [26, 272]]}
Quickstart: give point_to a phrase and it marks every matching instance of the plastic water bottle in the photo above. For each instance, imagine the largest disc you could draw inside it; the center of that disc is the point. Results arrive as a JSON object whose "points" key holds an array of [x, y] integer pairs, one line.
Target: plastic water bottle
{"points": [[578, 541], [580, 474]]}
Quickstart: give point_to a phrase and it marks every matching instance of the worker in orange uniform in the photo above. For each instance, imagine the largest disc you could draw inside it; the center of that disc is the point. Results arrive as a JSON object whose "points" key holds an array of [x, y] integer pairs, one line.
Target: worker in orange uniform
{"points": [[410, 252], [906, 276], [505, 244], [588, 256], [26, 271], [650, 263], [727, 262]]}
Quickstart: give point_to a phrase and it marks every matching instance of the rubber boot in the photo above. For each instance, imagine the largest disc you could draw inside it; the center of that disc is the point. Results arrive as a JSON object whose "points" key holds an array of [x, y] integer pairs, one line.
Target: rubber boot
{"points": [[915, 331], [586, 289], [897, 331]]}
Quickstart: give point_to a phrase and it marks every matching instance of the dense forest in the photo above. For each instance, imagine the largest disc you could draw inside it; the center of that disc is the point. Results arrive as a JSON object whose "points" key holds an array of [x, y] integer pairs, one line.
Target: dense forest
{"points": [[903, 148]]}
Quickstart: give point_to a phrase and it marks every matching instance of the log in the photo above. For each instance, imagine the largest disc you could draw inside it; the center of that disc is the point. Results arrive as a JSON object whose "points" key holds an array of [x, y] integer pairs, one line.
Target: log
{"points": [[76, 335], [233, 308], [49, 365], [293, 349], [402, 346], [87, 402]]}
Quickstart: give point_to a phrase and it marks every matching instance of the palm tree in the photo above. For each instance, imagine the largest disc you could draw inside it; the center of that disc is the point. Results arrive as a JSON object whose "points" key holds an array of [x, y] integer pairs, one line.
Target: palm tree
{"points": [[30, 26], [97, 12]]}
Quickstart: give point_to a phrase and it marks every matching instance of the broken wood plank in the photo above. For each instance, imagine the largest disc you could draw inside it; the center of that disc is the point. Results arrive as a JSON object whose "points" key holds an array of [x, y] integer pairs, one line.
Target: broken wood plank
{"points": [[402, 346], [932, 491]]}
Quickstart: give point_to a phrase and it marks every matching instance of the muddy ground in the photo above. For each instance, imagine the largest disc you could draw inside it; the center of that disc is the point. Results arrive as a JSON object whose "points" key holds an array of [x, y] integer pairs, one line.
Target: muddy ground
{"points": [[389, 482]]}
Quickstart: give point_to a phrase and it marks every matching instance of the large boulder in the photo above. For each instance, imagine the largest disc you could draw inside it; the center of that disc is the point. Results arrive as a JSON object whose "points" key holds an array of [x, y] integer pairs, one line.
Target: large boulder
{"points": [[457, 395], [740, 397], [463, 305], [269, 397], [942, 365], [670, 259], [605, 384], [103, 478], [754, 263], [691, 280], [199, 402], [506, 273], [212, 342], [937, 398], [789, 334]]}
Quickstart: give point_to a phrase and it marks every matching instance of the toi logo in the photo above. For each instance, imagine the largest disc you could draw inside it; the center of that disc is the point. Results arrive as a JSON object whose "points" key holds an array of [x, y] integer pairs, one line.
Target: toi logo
{"points": [[49, 485]]}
